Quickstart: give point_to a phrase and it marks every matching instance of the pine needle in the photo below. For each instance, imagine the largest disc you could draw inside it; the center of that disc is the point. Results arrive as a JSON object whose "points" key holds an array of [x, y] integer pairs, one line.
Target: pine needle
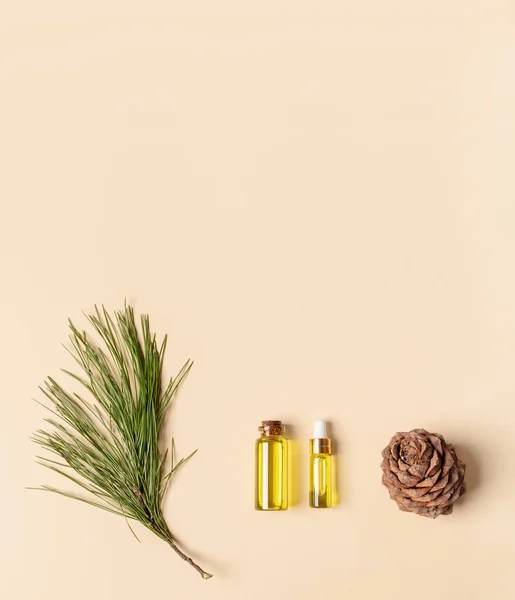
{"points": [[112, 445]]}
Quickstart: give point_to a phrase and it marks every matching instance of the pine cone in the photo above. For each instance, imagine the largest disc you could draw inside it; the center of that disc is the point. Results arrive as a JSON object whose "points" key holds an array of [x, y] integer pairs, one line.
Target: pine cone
{"points": [[423, 473]]}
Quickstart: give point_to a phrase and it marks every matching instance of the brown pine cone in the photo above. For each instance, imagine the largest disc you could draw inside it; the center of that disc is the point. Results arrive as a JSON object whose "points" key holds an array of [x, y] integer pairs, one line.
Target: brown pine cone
{"points": [[423, 473]]}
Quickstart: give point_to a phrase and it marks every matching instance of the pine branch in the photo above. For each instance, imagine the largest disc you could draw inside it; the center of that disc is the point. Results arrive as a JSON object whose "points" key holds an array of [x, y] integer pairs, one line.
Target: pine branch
{"points": [[112, 444]]}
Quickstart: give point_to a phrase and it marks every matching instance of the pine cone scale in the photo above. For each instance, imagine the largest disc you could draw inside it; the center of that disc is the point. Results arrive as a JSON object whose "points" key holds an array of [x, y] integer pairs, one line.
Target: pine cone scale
{"points": [[434, 465], [430, 481]]}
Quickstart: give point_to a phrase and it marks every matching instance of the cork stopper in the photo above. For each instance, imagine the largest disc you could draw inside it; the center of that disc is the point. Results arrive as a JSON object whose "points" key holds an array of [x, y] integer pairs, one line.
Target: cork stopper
{"points": [[271, 428]]}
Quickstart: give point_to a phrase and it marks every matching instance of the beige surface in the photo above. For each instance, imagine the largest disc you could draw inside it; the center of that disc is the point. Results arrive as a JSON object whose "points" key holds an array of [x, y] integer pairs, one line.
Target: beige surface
{"points": [[316, 200]]}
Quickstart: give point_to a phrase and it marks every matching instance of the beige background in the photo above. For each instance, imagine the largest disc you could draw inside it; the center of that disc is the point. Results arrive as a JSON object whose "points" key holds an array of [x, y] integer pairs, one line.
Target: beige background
{"points": [[316, 201]]}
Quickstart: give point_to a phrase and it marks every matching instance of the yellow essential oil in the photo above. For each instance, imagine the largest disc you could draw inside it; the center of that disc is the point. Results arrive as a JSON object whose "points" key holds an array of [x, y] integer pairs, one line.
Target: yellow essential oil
{"points": [[320, 472], [271, 467]]}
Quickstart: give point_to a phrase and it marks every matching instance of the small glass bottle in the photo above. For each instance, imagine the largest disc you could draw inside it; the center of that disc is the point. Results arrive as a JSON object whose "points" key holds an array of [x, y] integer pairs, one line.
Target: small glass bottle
{"points": [[271, 467], [320, 475]]}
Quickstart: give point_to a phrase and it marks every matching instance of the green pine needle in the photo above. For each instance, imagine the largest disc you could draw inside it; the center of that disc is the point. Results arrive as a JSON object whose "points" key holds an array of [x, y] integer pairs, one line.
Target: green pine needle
{"points": [[110, 447]]}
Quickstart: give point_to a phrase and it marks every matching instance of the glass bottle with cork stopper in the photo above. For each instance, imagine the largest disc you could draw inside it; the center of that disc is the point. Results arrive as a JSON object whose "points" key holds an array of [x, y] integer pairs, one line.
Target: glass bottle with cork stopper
{"points": [[271, 467]]}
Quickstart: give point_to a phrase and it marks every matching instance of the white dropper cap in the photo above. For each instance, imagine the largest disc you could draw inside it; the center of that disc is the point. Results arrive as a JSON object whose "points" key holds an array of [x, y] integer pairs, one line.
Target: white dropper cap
{"points": [[320, 429]]}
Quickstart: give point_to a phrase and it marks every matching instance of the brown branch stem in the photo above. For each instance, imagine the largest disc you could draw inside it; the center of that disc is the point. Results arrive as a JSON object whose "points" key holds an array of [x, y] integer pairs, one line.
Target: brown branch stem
{"points": [[204, 574]]}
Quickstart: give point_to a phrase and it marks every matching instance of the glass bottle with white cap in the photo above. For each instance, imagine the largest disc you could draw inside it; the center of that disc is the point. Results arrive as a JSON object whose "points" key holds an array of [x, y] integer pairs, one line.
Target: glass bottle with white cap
{"points": [[320, 473]]}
